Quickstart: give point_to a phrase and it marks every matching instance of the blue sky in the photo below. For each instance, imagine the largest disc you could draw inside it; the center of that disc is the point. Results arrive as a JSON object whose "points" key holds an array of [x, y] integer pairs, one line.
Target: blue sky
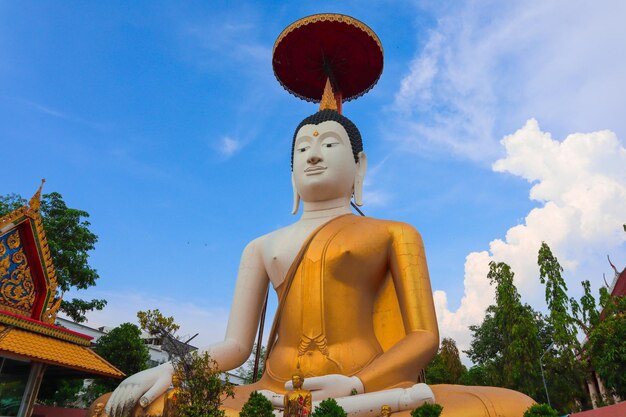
{"points": [[164, 122]]}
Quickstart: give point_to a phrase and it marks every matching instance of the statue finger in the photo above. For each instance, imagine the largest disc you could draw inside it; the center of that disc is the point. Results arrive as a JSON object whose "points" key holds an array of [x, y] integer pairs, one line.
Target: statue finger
{"points": [[111, 403], [130, 399], [121, 401], [157, 389]]}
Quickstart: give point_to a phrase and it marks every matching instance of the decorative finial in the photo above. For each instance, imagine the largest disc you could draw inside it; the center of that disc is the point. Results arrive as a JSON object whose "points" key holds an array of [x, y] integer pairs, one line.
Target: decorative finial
{"points": [[35, 200], [328, 99]]}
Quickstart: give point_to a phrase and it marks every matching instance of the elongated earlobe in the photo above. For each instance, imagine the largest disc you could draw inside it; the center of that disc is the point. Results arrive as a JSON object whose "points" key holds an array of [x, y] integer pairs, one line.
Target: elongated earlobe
{"points": [[359, 178], [296, 196]]}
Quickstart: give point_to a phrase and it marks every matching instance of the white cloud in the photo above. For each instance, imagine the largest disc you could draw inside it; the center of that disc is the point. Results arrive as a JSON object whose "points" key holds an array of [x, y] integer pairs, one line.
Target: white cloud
{"points": [[488, 65], [581, 183], [229, 146], [210, 323]]}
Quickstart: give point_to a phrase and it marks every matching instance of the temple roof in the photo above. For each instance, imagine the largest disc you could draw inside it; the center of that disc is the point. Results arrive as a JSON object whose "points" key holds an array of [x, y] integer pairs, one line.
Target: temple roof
{"points": [[41, 348], [29, 301]]}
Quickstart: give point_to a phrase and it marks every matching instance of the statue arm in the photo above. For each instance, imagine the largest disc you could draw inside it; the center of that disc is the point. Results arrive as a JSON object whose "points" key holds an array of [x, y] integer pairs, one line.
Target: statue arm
{"points": [[245, 312], [252, 282], [412, 353]]}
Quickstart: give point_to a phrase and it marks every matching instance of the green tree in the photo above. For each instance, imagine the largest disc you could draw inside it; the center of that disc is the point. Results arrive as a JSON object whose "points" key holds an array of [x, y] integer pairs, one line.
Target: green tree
{"points": [[507, 344], [257, 406], [606, 346], [562, 321], [202, 390], [565, 377], [59, 392], [476, 375], [70, 241], [165, 330], [427, 410], [329, 408], [540, 410], [124, 349], [446, 366], [155, 323]]}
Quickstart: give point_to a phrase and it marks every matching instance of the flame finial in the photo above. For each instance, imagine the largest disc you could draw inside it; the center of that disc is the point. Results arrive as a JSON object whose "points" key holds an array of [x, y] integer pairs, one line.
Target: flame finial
{"points": [[35, 200], [328, 101]]}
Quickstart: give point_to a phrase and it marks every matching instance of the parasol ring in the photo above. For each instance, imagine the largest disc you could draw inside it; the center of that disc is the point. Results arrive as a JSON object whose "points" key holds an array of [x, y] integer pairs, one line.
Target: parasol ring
{"points": [[327, 46]]}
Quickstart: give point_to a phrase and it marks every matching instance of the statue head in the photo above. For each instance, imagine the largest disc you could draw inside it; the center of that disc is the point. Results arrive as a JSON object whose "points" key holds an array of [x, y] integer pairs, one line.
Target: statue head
{"points": [[297, 380], [328, 161]]}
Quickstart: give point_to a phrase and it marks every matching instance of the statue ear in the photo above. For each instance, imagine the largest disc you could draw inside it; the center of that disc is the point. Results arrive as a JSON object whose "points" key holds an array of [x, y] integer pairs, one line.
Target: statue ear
{"points": [[296, 196], [361, 168]]}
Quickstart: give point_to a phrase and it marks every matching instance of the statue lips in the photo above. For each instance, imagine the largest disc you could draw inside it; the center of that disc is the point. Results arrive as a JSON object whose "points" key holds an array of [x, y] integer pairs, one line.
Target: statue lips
{"points": [[315, 170]]}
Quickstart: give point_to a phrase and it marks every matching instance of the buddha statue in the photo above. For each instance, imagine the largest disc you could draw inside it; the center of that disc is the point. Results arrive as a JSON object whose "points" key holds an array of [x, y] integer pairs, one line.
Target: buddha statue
{"points": [[297, 402], [355, 310]]}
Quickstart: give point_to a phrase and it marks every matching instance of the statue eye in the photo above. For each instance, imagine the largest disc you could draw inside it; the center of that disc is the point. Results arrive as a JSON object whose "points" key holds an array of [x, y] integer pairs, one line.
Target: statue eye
{"points": [[303, 149], [330, 145]]}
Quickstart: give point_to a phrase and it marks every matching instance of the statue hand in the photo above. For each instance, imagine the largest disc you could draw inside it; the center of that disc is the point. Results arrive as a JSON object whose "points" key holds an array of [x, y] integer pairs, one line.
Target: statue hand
{"points": [[330, 386], [144, 386], [277, 400]]}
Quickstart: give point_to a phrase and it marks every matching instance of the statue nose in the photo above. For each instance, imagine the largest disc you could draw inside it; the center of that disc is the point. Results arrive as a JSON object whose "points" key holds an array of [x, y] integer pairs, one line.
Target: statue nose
{"points": [[314, 159]]}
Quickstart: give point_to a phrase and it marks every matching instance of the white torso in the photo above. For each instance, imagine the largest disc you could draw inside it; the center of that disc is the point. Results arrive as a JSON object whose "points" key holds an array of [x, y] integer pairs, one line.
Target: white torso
{"points": [[279, 248]]}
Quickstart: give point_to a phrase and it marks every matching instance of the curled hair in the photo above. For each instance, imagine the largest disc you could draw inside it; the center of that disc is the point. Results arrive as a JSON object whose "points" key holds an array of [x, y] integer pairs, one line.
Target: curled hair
{"points": [[331, 115]]}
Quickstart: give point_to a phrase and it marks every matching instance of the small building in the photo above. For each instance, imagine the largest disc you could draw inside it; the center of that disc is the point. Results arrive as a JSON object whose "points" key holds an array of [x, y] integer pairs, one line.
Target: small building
{"points": [[160, 351], [30, 343]]}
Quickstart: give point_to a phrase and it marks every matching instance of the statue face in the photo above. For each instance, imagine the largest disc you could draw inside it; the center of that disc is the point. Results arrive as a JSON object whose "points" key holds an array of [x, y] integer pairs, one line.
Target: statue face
{"points": [[297, 381], [323, 164]]}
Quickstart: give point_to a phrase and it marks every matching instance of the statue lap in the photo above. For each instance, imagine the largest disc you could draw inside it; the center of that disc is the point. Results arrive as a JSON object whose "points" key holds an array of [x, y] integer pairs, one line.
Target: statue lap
{"points": [[457, 401]]}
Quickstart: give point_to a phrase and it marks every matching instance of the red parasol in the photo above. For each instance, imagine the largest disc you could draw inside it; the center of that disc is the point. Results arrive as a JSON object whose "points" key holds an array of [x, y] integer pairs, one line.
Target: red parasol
{"points": [[327, 46]]}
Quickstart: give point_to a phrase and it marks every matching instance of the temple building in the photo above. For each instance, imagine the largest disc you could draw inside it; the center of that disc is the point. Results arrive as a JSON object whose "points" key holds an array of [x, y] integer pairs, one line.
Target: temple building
{"points": [[31, 345]]}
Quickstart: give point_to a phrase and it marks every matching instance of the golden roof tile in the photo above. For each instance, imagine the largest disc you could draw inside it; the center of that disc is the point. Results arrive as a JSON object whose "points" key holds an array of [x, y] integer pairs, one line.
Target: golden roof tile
{"points": [[40, 348]]}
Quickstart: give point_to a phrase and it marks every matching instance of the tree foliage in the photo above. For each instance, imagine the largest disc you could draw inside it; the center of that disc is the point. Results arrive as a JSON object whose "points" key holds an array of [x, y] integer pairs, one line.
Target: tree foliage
{"points": [[202, 390], [540, 410], [165, 330], [155, 323], [446, 366], [257, 406], [565, 375], [427, 410], [70, 241], [59, 392], [607, 346], [124, 349], [329, 408], [507, 344], [476, 375]]}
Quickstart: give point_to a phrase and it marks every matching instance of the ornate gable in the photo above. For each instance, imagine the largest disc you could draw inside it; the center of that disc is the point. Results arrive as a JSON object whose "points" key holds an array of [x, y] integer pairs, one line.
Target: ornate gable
{"points": [[28, 280]]}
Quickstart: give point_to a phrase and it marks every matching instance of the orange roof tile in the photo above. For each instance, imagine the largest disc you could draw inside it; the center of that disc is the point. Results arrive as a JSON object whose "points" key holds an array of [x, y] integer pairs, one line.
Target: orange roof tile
{"points": [[46, 349]]}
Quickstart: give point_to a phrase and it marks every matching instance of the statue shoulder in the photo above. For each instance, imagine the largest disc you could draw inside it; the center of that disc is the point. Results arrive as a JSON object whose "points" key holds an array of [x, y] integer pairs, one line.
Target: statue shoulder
{"points": [[259, 244], [397, 229]]}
